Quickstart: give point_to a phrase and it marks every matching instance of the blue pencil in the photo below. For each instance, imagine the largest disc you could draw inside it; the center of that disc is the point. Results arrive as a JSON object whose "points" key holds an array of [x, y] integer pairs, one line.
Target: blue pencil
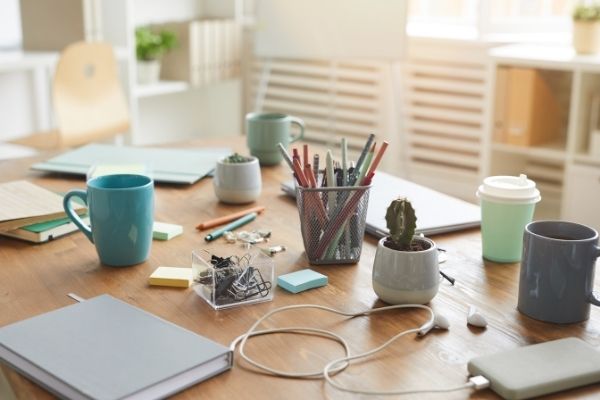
{"points": [[231, 226]]}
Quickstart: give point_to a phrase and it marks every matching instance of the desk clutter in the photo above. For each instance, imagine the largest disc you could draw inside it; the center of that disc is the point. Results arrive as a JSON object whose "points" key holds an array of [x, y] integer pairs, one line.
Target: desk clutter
{"points": [[333, 203], [240, 269]]}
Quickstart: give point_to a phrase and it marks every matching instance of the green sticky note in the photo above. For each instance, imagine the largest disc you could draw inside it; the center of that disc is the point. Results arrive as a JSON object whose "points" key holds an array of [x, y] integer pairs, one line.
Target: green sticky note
{"points": [[164, 231]]}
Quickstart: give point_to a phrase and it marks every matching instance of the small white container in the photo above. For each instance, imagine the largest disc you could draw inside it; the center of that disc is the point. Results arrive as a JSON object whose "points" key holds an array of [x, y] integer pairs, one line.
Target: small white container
{"points": [[237, 183], [250, 279], [406, 277]]}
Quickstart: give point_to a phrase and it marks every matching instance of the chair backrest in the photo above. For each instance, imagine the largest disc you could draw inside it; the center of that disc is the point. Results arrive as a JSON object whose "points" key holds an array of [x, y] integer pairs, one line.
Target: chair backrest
{"points": [[88, 97]]}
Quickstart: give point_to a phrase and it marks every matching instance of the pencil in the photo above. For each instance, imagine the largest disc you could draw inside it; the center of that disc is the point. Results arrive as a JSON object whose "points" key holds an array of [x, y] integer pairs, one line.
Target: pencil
{"points": [[229, 227], [304, 155], [228, 218], [299, 174], [377, 159]]}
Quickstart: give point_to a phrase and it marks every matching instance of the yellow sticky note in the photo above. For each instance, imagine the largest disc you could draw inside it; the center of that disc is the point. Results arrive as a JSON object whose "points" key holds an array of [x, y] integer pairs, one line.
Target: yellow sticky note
{"points": [[171, 276]]}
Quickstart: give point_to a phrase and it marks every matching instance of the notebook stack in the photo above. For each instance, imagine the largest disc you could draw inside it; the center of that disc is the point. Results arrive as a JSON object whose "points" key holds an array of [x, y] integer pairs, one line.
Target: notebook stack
{"points": [[32, 213]]}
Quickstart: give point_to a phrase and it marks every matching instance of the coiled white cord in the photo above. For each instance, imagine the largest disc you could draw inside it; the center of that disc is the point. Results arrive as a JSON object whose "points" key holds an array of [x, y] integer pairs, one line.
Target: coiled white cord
{"points": [[340, 364]]}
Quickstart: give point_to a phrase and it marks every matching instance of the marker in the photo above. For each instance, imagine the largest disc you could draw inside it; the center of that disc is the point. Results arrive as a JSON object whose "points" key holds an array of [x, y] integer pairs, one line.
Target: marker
{"points": [[229, 227]]}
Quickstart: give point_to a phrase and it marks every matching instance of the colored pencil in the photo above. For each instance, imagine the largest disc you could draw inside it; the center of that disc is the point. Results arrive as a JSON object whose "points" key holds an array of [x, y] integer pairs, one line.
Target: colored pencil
{"points": [[228, 218], [229, 227]]}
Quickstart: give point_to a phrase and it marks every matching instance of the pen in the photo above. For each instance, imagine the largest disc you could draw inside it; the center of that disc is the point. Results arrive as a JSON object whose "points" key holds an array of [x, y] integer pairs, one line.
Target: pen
{"points": [[344, 162], [285, 155], [316, 168], [361, 158], [229, 227], [228, 218]]}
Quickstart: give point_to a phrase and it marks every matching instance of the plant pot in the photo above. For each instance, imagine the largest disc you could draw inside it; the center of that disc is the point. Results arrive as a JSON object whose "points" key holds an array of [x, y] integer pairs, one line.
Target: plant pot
{"points": [[237, 183], [148, 72], [586, 37], [406, 277]]}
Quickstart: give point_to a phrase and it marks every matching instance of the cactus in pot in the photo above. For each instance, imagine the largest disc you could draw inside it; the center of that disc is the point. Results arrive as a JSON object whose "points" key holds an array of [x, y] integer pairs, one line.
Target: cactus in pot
{"points": [[405, 269]]}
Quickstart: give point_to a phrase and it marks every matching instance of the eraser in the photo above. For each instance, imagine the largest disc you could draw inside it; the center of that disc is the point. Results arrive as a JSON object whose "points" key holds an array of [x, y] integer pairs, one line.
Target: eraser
{"points": [[171, 276], [164, 231], [299, 281]]}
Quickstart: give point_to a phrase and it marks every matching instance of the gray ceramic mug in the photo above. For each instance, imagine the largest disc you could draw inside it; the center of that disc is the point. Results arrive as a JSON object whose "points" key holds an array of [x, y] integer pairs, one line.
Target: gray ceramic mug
{"points": [[557, 271]]}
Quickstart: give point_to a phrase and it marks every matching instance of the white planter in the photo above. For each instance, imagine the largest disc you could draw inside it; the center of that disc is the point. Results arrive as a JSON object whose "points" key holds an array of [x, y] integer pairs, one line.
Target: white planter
{"points": [[148, 72], [237, 183], [586, 37], [406, 277]]}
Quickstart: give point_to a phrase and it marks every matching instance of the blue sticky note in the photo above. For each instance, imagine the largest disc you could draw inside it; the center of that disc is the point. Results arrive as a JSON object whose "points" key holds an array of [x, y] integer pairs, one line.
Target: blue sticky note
{"points": [[299, 281]]}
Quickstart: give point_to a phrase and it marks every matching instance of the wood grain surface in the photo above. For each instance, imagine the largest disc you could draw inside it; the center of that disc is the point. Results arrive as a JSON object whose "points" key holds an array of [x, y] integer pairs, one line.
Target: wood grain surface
{"points": [[36, 278]]}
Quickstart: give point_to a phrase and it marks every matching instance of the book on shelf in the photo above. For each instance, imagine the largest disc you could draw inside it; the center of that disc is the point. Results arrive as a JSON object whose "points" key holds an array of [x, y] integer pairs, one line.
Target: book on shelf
{"points": [[104, 348], [208, 51], [45, 231], [532, 112], [24, 203]]}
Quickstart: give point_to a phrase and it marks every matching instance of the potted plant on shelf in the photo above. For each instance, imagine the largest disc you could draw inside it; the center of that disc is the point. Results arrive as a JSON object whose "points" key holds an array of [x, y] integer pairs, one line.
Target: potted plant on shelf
{"points": [[405, 269], [586, 28], [237, 179], [150, 47]]}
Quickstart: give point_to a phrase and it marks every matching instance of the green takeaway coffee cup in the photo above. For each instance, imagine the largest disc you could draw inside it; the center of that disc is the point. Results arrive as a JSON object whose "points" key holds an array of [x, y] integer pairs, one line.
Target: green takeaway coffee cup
{"points": [[507, 205]]}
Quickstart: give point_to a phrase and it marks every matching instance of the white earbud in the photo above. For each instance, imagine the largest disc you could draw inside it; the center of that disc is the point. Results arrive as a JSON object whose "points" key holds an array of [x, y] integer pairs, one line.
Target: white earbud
{"points": [[439, 322], [475, 318]]}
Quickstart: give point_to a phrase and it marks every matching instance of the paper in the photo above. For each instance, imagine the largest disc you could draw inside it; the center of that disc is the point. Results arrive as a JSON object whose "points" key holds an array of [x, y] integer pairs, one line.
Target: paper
{"points": [[23, 203]]}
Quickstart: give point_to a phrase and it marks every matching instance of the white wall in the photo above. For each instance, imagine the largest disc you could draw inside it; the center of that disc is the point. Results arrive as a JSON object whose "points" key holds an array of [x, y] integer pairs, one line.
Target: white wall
{"points": [[17, 104]]}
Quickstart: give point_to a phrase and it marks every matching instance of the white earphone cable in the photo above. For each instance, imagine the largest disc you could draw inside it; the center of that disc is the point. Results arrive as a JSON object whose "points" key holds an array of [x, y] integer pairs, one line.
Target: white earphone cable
{"points": [[340, 364]]}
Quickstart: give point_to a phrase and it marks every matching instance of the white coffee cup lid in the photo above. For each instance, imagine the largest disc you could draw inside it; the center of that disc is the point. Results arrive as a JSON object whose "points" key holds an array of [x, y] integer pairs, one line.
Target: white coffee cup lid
{"points": [[509, 189]]}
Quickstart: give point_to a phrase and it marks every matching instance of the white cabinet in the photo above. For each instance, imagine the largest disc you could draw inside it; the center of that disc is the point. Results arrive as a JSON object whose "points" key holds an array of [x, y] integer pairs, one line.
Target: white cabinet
{"points": [[581, 200]]}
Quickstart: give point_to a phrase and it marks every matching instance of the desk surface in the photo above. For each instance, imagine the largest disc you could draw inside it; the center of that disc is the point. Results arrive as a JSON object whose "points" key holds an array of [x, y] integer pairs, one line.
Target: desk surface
{"points": [[36, 278]]}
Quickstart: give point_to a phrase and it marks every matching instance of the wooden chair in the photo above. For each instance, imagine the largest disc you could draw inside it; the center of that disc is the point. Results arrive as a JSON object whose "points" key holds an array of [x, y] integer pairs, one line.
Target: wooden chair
{"points": [[89, 103]]}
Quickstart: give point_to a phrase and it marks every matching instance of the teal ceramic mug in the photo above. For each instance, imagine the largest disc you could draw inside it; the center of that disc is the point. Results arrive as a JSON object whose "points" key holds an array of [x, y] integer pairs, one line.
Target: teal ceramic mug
{"points": [[265, 130], [121, 209]]}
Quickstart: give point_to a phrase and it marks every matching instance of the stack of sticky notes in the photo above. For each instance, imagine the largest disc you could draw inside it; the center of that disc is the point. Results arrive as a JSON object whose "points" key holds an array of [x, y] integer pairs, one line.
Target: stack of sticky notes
{"points": [[164, 231], [171, 276], [299, 281]]}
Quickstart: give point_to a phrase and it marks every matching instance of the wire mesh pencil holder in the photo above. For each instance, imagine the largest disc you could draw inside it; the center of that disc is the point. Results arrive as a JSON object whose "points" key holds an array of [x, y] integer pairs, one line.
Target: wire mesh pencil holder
{"points": [[333, 222]]}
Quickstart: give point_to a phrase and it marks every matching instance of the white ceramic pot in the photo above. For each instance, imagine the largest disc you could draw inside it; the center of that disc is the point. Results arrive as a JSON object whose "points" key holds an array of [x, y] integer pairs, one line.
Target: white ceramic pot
{"points": [[148, 72], [406, 277], [237, 183], [586, 37]]}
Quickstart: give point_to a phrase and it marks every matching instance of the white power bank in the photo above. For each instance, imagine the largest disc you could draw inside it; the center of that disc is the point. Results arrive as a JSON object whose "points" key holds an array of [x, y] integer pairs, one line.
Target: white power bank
{"points": [[539, 369]]}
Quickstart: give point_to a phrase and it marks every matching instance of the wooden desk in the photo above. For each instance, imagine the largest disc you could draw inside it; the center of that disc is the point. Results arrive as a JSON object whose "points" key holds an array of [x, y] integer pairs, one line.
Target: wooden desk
{"points": [[36, 278]]}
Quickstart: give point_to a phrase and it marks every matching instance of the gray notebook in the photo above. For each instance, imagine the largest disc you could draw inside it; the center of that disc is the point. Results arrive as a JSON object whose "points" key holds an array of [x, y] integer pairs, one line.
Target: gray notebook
{"points": [[103, 348], [436, 212], [165, 165]]}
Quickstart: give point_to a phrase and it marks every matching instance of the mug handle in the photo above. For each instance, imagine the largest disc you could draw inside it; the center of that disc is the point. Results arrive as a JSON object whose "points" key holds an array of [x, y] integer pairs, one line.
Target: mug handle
{"points": [[300, 123], [592, 298], [82, 194]]}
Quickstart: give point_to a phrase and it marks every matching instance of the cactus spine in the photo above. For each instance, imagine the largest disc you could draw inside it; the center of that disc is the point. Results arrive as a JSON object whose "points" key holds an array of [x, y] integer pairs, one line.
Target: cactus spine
{"points": [[401, 222]]}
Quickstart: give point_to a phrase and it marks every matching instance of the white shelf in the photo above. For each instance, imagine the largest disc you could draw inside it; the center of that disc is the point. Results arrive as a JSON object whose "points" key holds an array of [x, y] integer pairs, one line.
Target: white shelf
{"points": [[587, 159], [554, 151], [551, 57], [161, 88]]}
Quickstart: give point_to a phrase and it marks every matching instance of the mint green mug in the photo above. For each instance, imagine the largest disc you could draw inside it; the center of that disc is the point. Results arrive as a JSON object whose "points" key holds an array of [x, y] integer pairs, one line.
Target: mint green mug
{"points": [[265, 130]]}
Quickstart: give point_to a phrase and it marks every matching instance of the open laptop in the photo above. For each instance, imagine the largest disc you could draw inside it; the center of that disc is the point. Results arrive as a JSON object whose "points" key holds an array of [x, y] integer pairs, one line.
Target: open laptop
{"points": [[436, 212]]}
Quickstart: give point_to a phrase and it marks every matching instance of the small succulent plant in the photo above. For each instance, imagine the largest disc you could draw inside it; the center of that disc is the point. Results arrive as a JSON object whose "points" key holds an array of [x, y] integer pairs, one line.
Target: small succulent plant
{"points": [[402, 223], [236, 158], [587, 12]]}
